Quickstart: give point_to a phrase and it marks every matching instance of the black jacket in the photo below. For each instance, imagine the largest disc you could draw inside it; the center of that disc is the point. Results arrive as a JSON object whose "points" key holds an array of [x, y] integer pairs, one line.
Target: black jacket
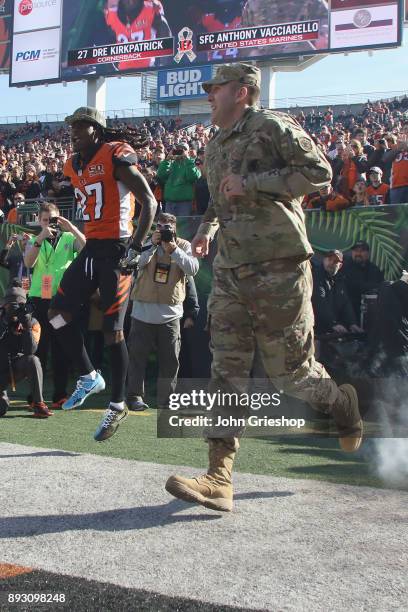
{"points": [[360, 280], [15, 345], [331, 303], [202, 195], [191, 307], [12, 259]]}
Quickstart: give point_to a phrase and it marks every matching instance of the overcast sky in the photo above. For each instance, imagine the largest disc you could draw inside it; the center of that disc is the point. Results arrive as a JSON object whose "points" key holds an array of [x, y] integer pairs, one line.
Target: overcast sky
{"points": [[357, 73]]}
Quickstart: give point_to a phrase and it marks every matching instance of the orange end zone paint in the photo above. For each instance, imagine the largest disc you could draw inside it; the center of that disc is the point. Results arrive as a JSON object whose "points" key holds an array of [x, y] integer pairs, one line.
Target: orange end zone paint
{"points": [[9, 571]]}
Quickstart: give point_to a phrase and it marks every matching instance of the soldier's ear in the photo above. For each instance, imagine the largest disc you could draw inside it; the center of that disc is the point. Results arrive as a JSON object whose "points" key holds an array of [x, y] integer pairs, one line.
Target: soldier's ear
{"points": [[242, 93]]}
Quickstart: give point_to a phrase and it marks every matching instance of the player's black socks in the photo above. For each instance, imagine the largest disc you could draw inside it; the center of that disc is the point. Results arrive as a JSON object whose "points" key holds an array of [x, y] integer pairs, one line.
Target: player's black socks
{"points": [[72, 342], [119, 362]]}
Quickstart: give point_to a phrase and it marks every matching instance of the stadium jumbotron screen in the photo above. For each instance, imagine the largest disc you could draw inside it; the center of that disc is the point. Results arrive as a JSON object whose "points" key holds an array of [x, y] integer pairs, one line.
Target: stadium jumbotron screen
{"points": [[56, 40]]}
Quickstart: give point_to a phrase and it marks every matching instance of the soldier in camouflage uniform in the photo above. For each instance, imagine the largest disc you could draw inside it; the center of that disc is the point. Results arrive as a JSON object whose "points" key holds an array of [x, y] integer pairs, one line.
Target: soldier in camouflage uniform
{"points": [[259, 167], [268, 12]]}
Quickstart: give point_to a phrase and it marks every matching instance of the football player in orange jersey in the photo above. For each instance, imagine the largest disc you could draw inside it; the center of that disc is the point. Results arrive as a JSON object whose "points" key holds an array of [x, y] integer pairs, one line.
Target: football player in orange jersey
{"points": [[134, 21], [106, 182]]}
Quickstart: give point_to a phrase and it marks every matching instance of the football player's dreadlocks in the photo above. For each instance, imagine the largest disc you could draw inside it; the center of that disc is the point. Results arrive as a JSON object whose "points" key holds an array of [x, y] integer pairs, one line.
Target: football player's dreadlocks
{"points": [[129, 135]]}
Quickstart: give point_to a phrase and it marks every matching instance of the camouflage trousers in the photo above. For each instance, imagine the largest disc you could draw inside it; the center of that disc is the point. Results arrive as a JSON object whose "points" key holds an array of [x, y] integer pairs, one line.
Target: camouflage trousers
{"points": [[265, 306]]}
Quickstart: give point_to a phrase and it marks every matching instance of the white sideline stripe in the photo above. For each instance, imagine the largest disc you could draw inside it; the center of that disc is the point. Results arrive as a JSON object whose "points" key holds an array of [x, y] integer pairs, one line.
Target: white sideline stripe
{"points": [[289, 544]]}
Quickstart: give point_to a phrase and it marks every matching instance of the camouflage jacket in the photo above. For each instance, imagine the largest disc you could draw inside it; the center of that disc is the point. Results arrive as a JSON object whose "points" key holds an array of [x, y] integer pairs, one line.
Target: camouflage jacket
{"points": [[280, 164]]}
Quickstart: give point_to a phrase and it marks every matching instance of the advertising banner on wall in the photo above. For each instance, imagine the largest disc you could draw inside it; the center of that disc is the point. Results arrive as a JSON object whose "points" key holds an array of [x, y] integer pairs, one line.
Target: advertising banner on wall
{"points": [[36, 54], [182, 84], [5, 34], [36, 14]]}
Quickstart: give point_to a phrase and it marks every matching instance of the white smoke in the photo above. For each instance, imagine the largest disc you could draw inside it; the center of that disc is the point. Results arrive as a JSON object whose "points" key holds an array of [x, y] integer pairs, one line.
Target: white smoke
{"points": [[391, 451], [387, 451], [392, 461]]}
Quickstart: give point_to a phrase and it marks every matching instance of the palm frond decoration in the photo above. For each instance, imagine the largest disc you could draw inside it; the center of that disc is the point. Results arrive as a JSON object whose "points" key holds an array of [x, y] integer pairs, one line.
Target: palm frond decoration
{"points": [[402, 218], [373, 226]]}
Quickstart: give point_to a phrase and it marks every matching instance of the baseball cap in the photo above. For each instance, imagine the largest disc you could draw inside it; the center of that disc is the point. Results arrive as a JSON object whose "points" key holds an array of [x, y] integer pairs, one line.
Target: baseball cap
{"points": [[247, 74], [14, 295], [182, 145], [375, 170], [335, 252], [361, 244], [87, 113]]}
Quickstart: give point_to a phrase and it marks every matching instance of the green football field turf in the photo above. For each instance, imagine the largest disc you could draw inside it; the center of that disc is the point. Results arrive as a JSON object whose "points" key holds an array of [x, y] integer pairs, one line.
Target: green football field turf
{"points": [[136, 439]]}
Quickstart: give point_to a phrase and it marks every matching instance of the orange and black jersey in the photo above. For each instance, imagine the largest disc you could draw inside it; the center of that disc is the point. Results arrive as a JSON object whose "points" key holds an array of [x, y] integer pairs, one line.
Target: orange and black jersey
{"points": [[105, 204], [399, 172], [378, 195]]}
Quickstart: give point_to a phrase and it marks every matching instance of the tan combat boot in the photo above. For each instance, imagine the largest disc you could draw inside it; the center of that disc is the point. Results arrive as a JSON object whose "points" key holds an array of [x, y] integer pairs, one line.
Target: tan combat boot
{"points": [[213, 489], [347, 417]]}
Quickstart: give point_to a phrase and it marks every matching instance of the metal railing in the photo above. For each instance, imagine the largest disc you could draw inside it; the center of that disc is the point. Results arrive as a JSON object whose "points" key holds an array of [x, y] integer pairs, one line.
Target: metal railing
{"points": [[324, 100], [28, 213]]}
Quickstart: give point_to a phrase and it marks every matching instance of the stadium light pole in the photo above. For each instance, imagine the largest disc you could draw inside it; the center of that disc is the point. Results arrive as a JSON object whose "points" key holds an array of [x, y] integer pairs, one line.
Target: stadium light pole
{"points": [[96, 93]]}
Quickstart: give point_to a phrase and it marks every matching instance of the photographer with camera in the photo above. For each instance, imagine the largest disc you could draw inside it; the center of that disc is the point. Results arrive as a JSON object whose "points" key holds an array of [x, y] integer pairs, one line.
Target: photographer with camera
{"points": [[178, 174], [12, 258], [49, 254], [158, 297], [19, 336]]}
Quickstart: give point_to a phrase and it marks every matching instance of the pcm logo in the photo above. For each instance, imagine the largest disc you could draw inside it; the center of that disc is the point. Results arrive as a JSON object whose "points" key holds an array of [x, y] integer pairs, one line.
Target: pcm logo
{"points": [[28, 56]]}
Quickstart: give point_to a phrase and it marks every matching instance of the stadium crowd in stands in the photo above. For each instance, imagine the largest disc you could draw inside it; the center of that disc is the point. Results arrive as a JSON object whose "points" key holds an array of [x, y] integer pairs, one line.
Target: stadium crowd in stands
{"points": [[368, 153]]}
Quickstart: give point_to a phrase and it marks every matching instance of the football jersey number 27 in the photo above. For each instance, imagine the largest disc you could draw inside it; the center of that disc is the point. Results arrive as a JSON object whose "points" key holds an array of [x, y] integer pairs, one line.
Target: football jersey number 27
{"points": [[90, 204]]}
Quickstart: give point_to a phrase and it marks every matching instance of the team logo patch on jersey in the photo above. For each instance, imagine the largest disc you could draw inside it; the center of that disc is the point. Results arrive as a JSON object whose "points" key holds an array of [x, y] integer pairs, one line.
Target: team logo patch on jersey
{"points": [[96, 169]]}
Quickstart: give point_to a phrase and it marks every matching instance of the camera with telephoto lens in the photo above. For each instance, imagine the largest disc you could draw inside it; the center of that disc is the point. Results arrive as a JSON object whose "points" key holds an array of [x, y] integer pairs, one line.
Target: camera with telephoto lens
{"points": [[18, 314], [167, 233]]}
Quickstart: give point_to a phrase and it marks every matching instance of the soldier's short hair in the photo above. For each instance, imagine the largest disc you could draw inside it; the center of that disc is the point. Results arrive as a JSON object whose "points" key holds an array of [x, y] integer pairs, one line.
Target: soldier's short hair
{"points": [[253, 92], [253, 95]]}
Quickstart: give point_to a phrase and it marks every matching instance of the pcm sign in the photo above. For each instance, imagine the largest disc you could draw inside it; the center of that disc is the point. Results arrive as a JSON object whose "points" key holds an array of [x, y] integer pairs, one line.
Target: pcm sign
{"points": [[182, 84], [28, 56]]}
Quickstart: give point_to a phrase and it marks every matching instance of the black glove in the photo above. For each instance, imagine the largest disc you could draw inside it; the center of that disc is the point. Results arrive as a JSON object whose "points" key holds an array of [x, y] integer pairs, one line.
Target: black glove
{"points": [[129, 263]]}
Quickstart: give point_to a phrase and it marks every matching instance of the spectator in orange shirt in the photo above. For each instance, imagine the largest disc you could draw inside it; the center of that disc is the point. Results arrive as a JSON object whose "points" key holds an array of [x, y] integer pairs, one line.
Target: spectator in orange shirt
{"points": [[356, 165], [18, 200], [377, 191], [399, 172], [349, 166], [329, 200]]}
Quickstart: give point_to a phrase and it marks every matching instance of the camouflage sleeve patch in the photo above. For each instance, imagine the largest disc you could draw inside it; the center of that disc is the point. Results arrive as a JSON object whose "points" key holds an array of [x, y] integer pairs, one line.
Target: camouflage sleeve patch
{"points": [[305, 169]]}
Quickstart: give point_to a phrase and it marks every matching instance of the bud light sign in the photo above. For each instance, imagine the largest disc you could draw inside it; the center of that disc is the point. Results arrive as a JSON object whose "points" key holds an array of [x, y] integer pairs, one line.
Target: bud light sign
{"points": [[182, 83]]}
